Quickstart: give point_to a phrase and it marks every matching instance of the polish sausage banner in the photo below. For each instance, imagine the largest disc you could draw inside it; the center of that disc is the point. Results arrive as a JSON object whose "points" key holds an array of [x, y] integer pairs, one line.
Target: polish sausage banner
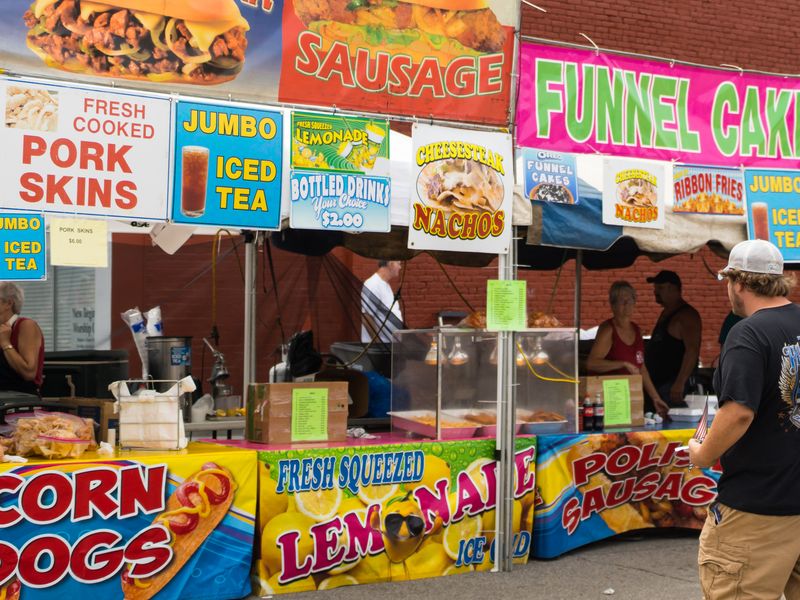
{"points": [[448, 59], [84, 152], [595, 486], [140, 526]]}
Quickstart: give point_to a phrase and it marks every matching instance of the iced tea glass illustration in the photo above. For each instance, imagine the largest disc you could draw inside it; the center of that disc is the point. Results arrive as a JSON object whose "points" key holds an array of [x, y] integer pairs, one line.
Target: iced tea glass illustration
{"points": [[195, 177], [760, 220]]}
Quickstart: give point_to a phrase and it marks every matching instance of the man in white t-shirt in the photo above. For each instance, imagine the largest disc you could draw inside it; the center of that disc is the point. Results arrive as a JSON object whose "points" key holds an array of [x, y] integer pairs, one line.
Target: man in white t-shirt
{"points": [[377, 299]]}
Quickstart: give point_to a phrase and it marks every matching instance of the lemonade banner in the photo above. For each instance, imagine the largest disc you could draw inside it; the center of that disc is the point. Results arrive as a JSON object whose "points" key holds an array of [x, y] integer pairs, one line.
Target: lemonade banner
{"points": [[123, 526], [773, 213], [344, 516], [23, 243], [228, 166], [707, 190], [461, 190], [340, 168], [595, 486]]}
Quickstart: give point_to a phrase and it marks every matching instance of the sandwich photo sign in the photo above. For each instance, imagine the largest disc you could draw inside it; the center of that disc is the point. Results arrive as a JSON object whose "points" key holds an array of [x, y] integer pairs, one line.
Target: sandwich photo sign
{"points": [[439, 58], [461, 190]]}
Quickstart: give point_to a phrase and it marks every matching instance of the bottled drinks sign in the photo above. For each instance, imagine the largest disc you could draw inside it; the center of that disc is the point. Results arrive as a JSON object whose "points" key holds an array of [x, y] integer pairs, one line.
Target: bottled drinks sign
{"points": [[84, 152], [227, 166]]}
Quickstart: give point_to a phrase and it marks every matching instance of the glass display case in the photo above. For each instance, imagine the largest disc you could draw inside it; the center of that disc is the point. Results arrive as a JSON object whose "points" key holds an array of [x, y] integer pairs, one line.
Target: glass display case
{"points": [[444, 382]]}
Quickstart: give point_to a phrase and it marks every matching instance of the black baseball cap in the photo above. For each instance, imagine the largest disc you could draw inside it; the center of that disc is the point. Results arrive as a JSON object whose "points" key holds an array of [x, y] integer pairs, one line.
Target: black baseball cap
{"points": [[665, 277]]}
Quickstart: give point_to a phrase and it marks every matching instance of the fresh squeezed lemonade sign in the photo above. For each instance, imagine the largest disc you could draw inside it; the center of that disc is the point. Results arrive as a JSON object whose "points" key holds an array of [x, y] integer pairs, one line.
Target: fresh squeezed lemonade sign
{"points": [[333, 517], [339, 168], [461, 199], [84, 152], [227, 166]]}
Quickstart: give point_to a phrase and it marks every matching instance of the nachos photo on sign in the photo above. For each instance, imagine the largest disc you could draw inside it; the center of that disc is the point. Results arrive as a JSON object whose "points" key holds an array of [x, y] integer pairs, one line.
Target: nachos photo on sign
{"points": [[459, 185], [182, 41], [633, 193]]}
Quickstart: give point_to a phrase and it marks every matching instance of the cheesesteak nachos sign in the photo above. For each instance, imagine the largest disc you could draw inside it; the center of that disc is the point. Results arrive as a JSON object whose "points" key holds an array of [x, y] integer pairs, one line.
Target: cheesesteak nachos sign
{"points": [[84, 152], [461, 190], [633, 193]]}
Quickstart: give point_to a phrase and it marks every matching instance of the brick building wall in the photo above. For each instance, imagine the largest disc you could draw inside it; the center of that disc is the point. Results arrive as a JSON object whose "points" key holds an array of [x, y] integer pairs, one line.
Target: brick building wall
{"points": [[750, 35]]}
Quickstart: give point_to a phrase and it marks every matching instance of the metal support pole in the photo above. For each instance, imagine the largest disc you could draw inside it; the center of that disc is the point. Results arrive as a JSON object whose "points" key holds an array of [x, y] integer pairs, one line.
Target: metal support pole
{"points": [[250, 270], [578, 281], [505, 443]]}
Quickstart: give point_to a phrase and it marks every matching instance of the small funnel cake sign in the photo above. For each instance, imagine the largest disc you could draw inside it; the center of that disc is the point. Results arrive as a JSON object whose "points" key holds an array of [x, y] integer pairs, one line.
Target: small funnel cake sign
{"points": [[633, 193], [461, 191], [84, 152]]}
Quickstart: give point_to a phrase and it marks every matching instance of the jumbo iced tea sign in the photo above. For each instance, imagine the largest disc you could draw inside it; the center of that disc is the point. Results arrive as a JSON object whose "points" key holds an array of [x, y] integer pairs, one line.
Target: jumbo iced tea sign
{"points": [[84, 152], [227, 166]]}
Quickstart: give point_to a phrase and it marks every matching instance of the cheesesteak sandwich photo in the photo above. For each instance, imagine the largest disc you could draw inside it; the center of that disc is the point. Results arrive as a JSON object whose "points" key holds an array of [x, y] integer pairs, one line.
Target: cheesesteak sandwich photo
{"points": [[178, 41]]}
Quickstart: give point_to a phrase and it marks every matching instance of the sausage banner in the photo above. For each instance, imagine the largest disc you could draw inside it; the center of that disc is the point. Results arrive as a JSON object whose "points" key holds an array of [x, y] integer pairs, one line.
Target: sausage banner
{"points": [[448, 59], [594, 486], [136, 526]]}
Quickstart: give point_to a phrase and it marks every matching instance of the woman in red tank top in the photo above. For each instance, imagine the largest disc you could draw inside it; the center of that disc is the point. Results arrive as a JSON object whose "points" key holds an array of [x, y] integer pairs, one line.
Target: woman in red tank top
{"points": [[618, 347], [21, 344]]}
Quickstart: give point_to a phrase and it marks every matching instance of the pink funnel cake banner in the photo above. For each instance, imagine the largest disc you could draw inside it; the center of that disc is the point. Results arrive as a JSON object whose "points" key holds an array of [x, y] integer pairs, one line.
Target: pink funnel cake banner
{"points": [[574, 100]]}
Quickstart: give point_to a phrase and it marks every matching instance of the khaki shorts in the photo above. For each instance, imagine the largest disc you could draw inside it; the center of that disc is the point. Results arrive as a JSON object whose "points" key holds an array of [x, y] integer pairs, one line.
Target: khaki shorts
{"points": [[746, 556]]}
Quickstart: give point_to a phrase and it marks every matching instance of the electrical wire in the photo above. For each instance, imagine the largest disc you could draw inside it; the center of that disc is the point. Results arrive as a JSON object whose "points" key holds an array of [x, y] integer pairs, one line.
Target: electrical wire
{"points": [[567, 378], [452, 283]]}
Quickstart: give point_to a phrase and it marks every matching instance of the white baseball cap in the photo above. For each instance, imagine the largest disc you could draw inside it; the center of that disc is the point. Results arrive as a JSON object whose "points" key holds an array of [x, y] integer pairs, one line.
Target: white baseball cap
{"points": [[754, 256]]}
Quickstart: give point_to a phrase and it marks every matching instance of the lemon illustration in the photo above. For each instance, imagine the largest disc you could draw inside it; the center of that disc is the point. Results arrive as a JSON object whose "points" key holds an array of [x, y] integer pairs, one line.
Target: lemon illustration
{"points": [[477, 476], [337, 581], [320, 505], [270, 502], [488, 520], [348, 506], [291, 505], [301, 585], [377, 494], [466, 529], [271, 552], [435, 469], [398, 572], [372, 569], [429, 561]]}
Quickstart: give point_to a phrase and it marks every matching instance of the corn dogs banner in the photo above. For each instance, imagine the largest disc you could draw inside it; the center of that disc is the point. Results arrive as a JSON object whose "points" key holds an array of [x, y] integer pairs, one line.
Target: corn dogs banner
{"points": [[345, 516], [595, 486], [164, 525], [450, 59], [84, 152], [575, 100], [461, 190]]}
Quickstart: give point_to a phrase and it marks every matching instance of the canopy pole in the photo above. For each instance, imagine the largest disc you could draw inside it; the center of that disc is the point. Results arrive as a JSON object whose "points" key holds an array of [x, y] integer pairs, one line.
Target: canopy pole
{"points": [[578, 281], [250, 269], [505, 446]]}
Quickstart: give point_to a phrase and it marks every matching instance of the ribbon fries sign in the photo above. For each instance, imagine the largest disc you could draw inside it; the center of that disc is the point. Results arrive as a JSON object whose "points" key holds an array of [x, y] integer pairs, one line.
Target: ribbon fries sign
{"points": [[461, 190]]}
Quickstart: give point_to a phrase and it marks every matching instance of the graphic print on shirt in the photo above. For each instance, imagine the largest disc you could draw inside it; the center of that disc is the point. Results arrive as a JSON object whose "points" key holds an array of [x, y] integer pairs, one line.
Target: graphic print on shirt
{"points": [[789, 385]]}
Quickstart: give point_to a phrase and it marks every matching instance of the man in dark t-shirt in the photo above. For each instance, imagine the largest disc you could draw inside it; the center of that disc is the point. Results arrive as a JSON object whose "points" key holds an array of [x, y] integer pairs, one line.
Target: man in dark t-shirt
{"points": [[750, 544]]}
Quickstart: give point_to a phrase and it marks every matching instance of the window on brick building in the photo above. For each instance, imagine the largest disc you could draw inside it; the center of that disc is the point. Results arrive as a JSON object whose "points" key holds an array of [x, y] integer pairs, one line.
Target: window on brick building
{"points": [[73, 307]]}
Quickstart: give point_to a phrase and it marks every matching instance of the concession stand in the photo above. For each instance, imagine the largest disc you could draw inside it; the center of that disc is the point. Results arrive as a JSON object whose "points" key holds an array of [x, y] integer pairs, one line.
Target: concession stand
{"points": [[159, 149]]}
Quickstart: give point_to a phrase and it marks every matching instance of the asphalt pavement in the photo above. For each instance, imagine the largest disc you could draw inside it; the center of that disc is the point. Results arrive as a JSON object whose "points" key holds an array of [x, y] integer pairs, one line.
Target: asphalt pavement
{"points": [[654, 565]]}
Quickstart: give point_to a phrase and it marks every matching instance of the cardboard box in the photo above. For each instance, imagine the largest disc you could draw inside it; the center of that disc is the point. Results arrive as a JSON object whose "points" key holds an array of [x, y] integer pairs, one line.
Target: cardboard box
{"points": [[269, 411], [99, 409], [592, 385]]}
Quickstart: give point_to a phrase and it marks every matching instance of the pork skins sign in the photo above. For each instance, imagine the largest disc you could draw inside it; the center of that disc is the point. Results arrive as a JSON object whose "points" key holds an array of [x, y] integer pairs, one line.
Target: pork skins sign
{"points": [[461, 191], [84, 152]]}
